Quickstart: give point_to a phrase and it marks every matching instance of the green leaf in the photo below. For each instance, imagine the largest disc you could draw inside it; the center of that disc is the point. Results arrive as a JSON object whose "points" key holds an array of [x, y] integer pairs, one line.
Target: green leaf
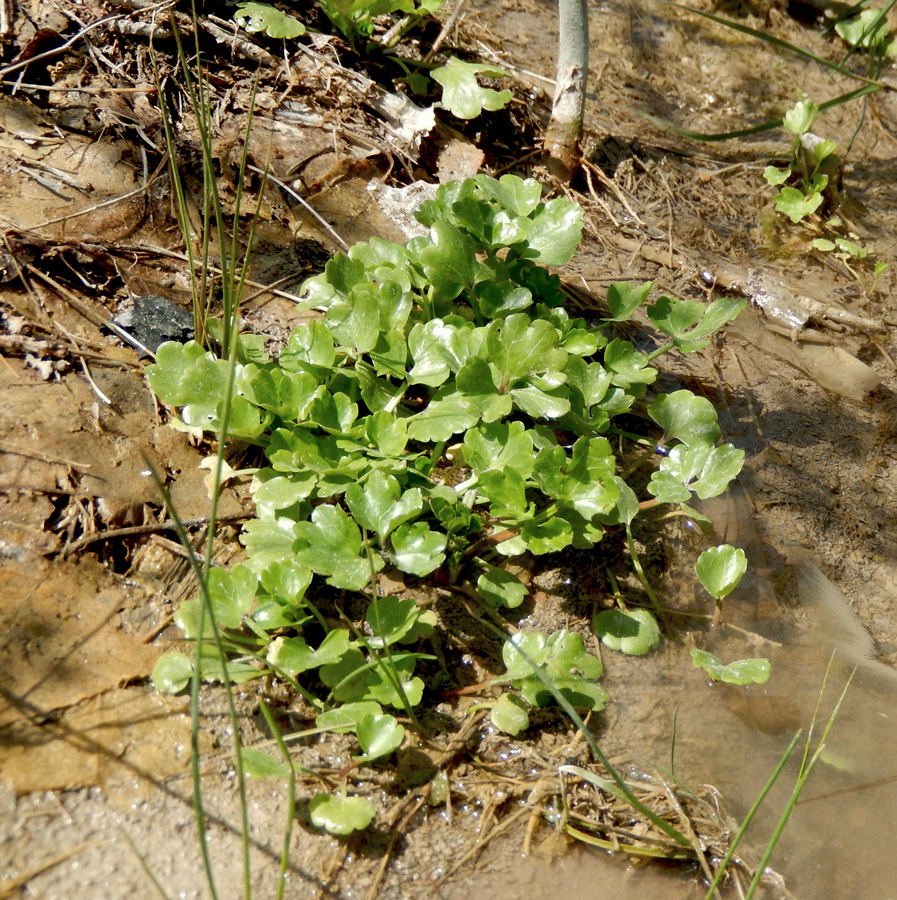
{"points": [[519, 196], [775, 176], [585, 480], [231, 592], [624, 298], [380, 505], [345, 718], [392, 621], [379, 736], [273, 492], [288, 395], [490, 227], [309, 349], [549, 536], [591, 380], [519, 665], [497, 300], [383, 688], [506, 491], [562, 654], [429, 345], [211, 666], [792, 203], [334, 413], [866, 29], [269, 540], [799, 119], [259, 764], [170, 376], [510, 715], [567, 664], [341, 815], [294, 656], [674, 317], [703, 469], [685, 417], [330, 544], [348, 677], [628, 366], [555, 232], [462, 96], [499, 587], [390, 354], [499, 445], [568, 656], [578, 692], [444, 417], [417, 549], [449, 261], [541, 404], [355, 322], [518, 346], [742, 671], [719, 313], [634, 631], [172, 672], [720, 569]]}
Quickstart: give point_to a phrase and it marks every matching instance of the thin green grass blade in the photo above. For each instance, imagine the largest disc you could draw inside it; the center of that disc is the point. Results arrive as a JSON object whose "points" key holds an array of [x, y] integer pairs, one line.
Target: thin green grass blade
{"points": [[721, 870], [195, 680], [291, 798], [756, 129], [805, 772], [769, 39], [145, 865]]}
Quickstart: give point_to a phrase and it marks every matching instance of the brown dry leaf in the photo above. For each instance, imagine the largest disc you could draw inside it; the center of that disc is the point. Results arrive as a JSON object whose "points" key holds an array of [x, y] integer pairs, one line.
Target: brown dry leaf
{"points": [[46, 173], [57, 433], [458, 159], [123, 740], [62, 636]]}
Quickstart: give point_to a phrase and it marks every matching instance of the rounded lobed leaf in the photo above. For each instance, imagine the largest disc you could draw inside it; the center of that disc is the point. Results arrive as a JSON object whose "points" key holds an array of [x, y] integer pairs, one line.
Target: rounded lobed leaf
{"points": [[341, 815], [633, 631], [510, 715], [720, 569]]}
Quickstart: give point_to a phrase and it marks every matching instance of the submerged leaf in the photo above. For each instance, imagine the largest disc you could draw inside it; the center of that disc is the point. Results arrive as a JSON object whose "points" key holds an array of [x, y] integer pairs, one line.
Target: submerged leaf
{"points": [[742, 671]]}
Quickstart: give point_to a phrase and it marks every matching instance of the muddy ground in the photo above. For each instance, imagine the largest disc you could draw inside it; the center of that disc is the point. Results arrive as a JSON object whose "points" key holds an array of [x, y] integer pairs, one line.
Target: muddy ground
{"points": [[93, 761]]}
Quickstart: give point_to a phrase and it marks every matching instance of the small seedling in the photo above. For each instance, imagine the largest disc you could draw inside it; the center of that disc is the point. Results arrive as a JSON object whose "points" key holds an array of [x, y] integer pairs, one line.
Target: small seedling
{"points": [[719, 571], [812, 166], [563, 661]]}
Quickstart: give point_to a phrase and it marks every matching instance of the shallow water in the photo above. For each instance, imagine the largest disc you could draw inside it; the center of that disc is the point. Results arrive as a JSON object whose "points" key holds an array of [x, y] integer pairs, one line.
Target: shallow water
{"points": [[841, 835]]}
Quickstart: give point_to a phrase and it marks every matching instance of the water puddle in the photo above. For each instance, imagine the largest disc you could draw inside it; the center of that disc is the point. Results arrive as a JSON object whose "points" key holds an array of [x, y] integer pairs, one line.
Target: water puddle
{"points": [[841, 832]]}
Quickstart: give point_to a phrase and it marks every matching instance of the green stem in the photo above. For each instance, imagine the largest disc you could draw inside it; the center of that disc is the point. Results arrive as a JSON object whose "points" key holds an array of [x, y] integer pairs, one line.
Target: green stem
{"points": [[637, 565]]}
